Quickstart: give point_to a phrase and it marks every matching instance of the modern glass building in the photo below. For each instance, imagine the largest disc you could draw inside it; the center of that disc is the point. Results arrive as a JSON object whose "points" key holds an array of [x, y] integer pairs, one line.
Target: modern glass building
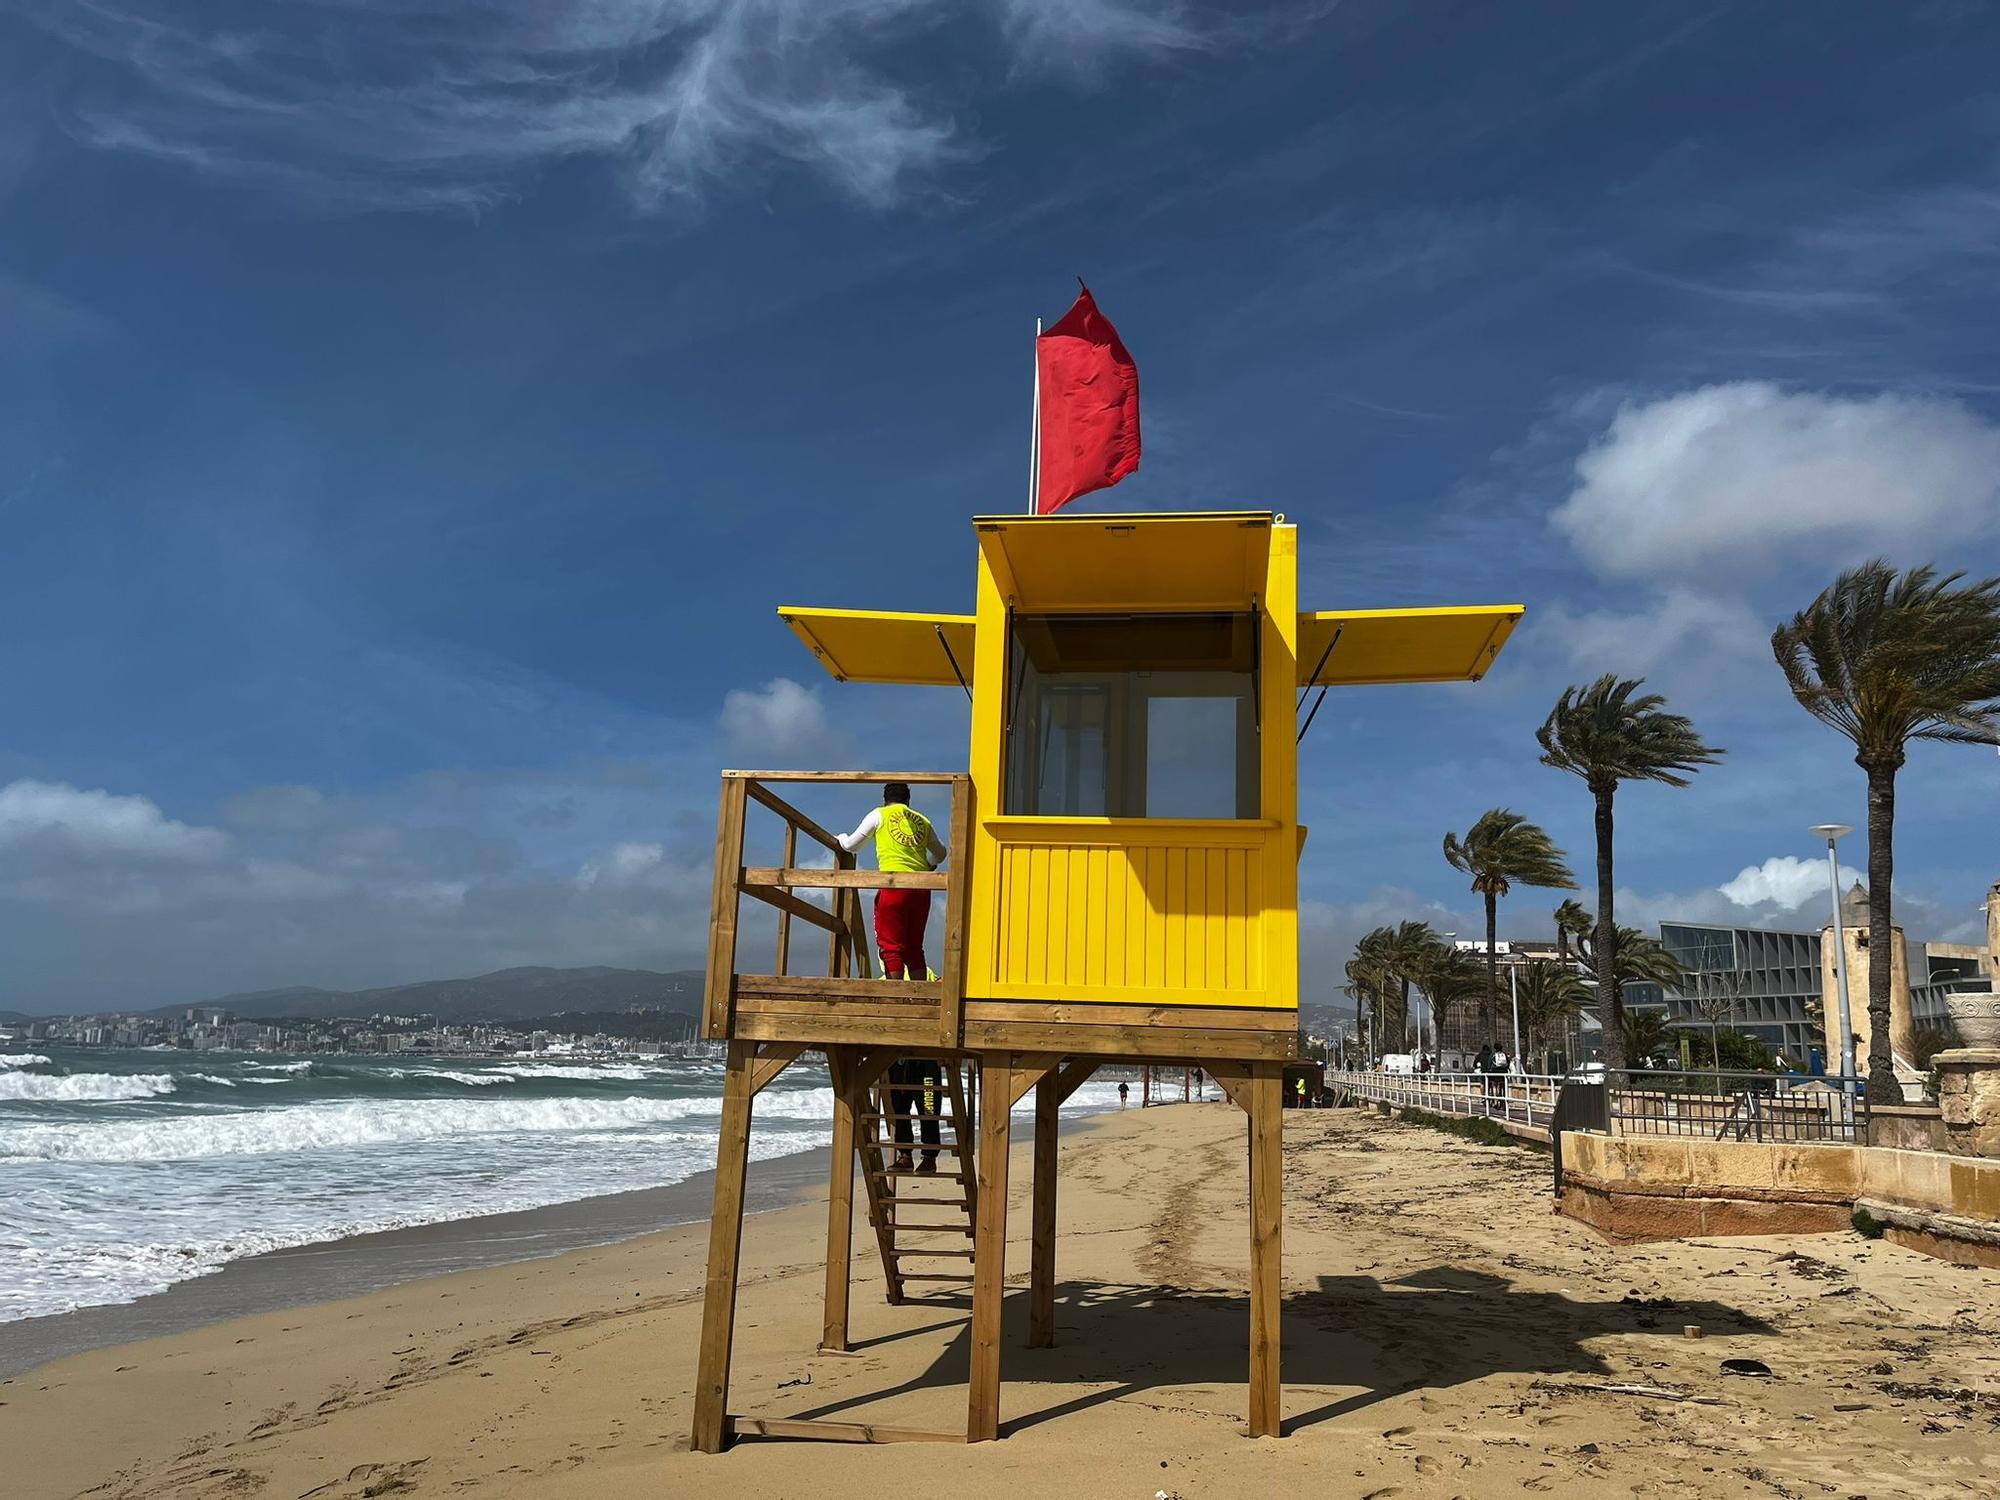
{"points": [[1767, 984]]}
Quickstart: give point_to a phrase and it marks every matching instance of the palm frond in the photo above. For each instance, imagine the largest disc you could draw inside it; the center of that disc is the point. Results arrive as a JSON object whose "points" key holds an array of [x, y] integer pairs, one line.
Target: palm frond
{"points": [[1608, 732], [1886, 657]]}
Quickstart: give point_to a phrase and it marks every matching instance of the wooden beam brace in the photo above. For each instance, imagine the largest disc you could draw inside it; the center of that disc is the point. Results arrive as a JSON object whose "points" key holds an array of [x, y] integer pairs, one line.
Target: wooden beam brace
{"points": [[781, 807], [1027, 1070], [791, 905], [1073, 1075], [1234, 1080], [764, 876], [853, 778], [772, 1059]]}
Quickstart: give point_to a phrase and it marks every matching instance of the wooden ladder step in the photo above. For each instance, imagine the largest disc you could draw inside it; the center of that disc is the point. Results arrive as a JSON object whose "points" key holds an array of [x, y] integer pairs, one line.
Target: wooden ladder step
{"points": [[905, 1116], [931, 1276], [965, 1229], [913, 1172], [920, 1250]]}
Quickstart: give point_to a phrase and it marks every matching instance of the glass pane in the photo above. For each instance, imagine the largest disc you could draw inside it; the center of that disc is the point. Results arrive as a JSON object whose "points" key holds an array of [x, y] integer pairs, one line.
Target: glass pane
{"points": [[1191, 746], [1132, 716]]}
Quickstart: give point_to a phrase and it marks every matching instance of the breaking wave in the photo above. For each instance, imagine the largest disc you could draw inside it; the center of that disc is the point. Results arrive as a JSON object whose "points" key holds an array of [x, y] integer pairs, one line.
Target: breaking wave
{"points": [[22, 1060], [43, 1088], [342, 1126]]}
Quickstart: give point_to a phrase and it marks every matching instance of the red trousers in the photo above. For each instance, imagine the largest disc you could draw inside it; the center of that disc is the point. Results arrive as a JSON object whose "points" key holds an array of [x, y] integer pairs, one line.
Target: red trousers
{"points": [[899, 932]]}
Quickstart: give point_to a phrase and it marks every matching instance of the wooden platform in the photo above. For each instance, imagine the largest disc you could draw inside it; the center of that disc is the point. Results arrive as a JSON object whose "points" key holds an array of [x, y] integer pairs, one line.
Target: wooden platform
{"points": [[1002, 1046]]}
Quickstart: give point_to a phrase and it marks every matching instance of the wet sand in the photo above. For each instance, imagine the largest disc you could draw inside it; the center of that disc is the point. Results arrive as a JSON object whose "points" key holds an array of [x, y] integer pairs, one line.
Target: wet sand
{"points": [[1445, 1334]]}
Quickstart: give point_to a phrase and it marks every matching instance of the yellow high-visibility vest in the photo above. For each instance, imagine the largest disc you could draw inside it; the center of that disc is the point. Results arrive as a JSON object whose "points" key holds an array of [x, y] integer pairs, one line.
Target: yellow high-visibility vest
{"points": [[902, 839]]}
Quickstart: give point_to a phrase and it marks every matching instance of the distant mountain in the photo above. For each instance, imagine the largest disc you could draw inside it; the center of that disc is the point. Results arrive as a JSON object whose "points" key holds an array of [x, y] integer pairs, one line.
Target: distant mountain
{"points": [[507, 995]]}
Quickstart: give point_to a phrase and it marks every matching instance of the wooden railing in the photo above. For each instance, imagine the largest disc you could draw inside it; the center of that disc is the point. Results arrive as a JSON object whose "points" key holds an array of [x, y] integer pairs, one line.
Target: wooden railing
{"points": [[849, 975]]}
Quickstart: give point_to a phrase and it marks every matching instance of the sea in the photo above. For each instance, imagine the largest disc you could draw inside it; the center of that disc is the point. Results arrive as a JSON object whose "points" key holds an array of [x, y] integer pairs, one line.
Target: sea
{"points": [[124, 1172]]}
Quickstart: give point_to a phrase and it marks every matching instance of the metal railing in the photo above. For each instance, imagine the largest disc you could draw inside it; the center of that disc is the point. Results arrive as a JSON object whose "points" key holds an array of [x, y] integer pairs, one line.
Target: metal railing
{"points": [[1523, 1098], [1722, 1105], [1710, 1105]]}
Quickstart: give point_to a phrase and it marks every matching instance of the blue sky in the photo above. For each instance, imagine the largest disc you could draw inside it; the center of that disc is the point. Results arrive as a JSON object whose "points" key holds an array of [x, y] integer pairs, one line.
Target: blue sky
{"points": [[410, 413]]}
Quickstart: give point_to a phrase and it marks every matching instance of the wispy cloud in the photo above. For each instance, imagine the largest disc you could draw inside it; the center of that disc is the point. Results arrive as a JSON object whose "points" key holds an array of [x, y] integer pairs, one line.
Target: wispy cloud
{"points": [[419, 104]]}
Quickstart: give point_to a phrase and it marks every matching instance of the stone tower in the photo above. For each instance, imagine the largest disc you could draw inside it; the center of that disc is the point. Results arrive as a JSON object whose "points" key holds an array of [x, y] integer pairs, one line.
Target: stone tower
{"points": [[1860, 942]]}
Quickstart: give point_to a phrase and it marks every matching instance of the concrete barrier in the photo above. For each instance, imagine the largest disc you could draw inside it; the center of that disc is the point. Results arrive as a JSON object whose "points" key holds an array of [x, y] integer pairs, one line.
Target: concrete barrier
{"points": [[1649, 1188]]}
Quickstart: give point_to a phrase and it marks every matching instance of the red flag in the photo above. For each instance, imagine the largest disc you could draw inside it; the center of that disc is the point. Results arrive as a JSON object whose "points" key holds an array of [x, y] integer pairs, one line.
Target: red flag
{"points": [[1087, 404]]}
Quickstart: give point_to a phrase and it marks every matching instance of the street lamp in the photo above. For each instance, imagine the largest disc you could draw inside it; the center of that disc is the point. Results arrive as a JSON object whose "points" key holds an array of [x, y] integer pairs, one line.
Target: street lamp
{"points": [[1437, 1041], [1833, 833]]}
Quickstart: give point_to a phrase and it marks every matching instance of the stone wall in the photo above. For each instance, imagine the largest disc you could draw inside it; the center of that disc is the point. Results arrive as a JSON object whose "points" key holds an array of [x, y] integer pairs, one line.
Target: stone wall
{"points": [[1906, 1127], [1650, 1188]]}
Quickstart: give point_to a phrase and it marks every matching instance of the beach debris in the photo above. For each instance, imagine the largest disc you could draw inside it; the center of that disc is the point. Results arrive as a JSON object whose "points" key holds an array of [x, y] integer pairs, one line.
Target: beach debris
{"points": [[1691, 1330], [1752, 1367], [805, 1379], [1613, 1388], [1811, 1267]]}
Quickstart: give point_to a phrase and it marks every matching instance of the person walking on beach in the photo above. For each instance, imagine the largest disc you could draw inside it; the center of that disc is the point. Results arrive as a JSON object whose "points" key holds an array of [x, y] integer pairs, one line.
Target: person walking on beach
{"points": [[1124, 1091], [904, 841], [913, 1090]]}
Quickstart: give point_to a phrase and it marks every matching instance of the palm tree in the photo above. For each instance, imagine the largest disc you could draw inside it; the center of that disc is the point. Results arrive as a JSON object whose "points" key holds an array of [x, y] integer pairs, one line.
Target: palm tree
{"points": [[1635, 959], [1552, 993], [1887, 658], [1368, 979], [1447, 976], [1501, 848], [1606, 733], [1645, 1034], [1403, 950], [1571, 922]]}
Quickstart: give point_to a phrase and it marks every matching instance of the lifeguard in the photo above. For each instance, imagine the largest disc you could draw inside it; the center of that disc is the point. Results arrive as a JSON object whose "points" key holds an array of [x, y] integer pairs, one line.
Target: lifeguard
{"points": [[904, 840]]}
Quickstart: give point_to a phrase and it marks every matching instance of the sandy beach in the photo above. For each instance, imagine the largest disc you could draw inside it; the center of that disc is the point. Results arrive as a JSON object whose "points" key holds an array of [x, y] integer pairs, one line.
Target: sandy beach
{"points": [[1445, 1334]]}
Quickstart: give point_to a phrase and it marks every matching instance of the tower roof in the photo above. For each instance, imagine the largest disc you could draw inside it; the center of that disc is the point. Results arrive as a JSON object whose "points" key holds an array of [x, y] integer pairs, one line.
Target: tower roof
{"points": [[1854, 906]]}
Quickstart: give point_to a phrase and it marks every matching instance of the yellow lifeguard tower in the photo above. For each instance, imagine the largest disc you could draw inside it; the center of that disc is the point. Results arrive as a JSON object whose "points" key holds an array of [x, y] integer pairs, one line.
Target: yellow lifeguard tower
{"points": [[1122, 885]]}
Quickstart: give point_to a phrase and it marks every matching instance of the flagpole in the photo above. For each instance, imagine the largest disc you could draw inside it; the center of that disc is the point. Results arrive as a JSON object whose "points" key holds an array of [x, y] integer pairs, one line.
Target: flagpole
{"points": [[1035, 426]]}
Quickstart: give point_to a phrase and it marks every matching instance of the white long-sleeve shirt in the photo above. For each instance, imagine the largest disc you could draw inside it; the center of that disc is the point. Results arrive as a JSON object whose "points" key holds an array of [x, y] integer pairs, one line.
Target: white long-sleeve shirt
{"points": [[866, 831]]}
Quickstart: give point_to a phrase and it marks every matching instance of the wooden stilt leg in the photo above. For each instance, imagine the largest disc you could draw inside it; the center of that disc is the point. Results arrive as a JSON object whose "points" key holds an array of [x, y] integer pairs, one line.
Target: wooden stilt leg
{"points": [[1266, 1230], [840, 1200], [725, 1244], [989, 1263], [1042, 1277]]}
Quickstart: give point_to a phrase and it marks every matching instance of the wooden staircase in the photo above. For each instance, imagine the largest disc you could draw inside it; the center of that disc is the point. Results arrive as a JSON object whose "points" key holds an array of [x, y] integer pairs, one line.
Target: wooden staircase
{"points": [[923, 1221]]}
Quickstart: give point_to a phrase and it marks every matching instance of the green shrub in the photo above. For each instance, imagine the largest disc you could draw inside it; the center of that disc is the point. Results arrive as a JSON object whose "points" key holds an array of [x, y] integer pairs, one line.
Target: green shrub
{"points": [[1867, 1225], [1470, 1127]]}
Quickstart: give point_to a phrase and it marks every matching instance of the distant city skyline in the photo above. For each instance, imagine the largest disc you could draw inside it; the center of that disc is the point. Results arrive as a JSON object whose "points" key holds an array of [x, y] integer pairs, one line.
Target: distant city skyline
{"points": [[399, 468]]}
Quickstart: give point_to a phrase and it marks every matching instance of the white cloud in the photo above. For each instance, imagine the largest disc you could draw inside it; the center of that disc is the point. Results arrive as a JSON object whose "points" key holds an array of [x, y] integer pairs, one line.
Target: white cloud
{"points": [[64, 820], [1747, 477], [107, 902], [416, 105], [779, 723], [624, 864], [1786, 880], [1679, 627]]}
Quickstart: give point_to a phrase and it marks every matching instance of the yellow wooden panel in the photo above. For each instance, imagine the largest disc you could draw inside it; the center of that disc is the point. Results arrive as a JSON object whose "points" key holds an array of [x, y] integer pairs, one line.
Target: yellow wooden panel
{"points": [[1445, 644], [1217, 560], [1167, 921], [879, 645]]}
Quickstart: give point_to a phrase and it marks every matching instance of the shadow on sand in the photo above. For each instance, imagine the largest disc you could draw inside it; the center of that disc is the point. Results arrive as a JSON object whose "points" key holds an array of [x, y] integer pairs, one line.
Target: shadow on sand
{"points": [[1439, 1327]]}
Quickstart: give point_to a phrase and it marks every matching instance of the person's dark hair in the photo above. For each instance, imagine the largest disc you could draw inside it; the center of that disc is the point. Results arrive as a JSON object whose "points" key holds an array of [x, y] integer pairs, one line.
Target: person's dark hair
{"points": [[897, 791]]}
